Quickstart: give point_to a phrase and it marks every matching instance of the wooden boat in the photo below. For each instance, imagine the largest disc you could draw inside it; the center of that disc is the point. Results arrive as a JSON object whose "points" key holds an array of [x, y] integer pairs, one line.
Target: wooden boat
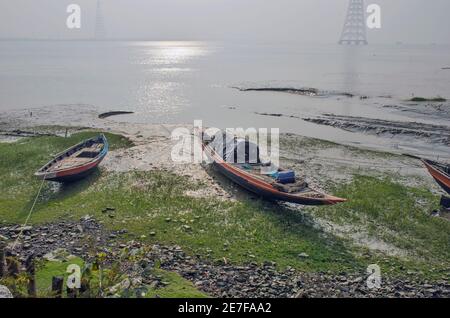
{"points": [[253, 177], [76, 162], [440, 172]]}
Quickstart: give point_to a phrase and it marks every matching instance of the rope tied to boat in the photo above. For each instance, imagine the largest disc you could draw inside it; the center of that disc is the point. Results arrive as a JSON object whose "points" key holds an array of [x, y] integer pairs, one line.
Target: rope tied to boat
{"points": [[29, 213]]}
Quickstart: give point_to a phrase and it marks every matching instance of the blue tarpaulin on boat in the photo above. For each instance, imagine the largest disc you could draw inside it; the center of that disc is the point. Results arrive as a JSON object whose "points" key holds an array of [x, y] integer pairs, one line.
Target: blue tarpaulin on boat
{"points": [[284, 177]]}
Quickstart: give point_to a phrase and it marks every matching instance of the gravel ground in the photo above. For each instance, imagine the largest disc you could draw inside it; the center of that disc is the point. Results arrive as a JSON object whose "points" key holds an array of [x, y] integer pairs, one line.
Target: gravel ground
{"points": [[218, 279]]}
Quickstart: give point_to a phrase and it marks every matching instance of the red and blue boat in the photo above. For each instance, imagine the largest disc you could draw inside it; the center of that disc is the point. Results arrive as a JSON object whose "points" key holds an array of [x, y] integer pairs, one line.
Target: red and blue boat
{"points": [[76, 162], [440, 172], [258, 177]]}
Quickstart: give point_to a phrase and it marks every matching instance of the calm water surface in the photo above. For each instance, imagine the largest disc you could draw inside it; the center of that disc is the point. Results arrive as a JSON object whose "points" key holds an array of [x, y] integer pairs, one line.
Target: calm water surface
{"points": [[177, 82]]}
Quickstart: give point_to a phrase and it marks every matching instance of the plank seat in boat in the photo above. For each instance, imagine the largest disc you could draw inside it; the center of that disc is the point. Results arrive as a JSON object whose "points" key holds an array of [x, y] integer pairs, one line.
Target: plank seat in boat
{"points": [[80, 157], [68, 162]]}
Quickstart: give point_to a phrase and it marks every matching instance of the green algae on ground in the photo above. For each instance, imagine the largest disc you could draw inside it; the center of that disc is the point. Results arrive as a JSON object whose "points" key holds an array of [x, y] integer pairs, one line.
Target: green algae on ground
{"points": [[174, 286], [237, 231], [152, 207], [425, 99], [398, 215]]}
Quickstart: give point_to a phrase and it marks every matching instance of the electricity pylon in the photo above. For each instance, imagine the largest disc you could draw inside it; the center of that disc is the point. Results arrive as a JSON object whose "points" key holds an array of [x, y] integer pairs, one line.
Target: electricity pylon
{"points": [[100, 32], [354, 31]]}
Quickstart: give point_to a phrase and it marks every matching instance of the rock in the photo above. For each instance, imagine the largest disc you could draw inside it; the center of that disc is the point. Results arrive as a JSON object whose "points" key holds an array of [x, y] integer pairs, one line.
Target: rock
{"points": [[123, 285], [79, 228], [199, 283], [357, 280], [154, 284], [4, 292], [269, 264], [152, 233], [303, 255], [136, 281], [85, 218], [58, 255], [23, 229]]}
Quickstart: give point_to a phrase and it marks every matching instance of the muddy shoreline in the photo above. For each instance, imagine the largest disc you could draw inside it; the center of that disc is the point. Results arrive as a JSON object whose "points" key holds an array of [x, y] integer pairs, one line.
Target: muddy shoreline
{"points": [[438, 134], [304, 91], [323, 163]]}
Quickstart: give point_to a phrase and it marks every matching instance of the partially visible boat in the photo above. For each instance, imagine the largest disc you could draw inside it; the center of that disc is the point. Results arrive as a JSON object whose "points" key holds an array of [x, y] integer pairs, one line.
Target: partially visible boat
{"points": [[440, 172], [279, 184], [76, 162]]}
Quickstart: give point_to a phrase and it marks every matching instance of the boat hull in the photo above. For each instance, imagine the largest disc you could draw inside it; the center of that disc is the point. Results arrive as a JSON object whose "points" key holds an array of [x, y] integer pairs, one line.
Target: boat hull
{"points": [[262, 188], [78, 172], [439, 176], [270, 195], [72, 176]]}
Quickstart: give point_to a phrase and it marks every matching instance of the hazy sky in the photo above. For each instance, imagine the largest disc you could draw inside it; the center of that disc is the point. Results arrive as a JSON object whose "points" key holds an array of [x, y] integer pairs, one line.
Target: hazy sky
{"points": [[409, 21]]}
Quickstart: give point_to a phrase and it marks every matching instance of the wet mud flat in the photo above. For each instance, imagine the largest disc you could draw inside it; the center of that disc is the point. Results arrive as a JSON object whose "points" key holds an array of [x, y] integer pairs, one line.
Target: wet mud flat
{"points": [[438, 134], [302, 91], [432, 110], [326, 161], [325, 165]]}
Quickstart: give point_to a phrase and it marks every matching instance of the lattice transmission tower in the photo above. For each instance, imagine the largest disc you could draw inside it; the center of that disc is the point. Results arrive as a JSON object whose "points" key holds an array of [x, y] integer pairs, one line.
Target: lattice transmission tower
{"points": [[354, 31], [100, 32]]}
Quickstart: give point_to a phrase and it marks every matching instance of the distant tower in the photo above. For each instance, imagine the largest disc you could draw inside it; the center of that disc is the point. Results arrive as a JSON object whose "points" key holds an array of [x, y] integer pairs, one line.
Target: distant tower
{"points": [[100, 32], [354, 31]]}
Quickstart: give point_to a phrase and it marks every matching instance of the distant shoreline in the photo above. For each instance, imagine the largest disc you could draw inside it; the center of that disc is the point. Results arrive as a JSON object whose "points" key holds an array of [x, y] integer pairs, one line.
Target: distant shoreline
{"points": [[199, 40], [96, 40]]}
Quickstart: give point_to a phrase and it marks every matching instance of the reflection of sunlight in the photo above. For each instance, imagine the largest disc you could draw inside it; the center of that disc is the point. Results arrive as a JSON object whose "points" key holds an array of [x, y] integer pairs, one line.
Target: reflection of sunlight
{"points": [[166, 68], [171, 53], [159, 98]]}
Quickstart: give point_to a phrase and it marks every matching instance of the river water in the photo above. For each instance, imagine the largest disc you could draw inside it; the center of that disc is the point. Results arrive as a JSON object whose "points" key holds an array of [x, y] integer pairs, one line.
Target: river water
{"points": [[178, 82]]}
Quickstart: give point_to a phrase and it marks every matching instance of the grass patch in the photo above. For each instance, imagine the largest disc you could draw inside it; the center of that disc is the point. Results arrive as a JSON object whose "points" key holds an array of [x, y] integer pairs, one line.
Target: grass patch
{"points": [[176, 287], [49, 269], [395, 214], [299, 143], [152, 205], [153, 208], [19, 161], [425, 99]]}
